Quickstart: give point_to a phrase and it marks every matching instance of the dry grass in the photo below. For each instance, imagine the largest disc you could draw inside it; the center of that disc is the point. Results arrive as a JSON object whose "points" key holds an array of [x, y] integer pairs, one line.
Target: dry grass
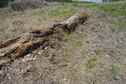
{"points": [[93, 54]]}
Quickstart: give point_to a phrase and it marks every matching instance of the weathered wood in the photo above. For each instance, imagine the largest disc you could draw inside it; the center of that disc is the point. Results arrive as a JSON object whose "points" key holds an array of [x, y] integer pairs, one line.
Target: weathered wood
{"points": [[25, 43]]}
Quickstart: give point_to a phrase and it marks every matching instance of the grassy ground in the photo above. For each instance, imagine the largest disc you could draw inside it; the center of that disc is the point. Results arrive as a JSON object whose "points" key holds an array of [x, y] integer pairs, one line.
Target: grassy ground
{"points": [[32, 18], [94, 54], [113, 8]]}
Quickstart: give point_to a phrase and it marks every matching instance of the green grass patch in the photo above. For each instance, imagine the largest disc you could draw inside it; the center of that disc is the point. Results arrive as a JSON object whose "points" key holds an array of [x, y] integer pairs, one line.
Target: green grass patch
{"points": [[114, 8], [91, 63], [115, 71], [64, 9]]}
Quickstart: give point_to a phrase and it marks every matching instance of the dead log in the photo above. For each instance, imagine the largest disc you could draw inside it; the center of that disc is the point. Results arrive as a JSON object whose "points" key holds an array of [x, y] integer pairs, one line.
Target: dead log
{"points": [[21, 45]]}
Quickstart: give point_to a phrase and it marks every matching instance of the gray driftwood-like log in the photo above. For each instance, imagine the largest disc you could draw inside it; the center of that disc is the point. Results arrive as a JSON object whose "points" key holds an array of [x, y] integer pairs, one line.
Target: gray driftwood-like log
{"points": [[25, 43]]}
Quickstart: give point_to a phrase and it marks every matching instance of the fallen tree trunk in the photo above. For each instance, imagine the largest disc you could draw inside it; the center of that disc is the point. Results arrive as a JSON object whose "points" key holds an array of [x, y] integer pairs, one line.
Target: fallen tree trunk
{"points": [[27, 42]]}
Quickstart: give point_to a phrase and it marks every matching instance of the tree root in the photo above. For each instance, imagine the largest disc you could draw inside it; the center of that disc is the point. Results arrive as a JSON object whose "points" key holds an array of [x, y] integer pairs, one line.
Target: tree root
{"points": [[27, 42]]}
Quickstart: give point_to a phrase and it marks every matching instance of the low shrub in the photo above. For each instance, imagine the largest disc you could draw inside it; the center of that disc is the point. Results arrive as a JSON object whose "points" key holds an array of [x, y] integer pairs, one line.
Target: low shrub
{"points": [[4, 3], [24, 4]]}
